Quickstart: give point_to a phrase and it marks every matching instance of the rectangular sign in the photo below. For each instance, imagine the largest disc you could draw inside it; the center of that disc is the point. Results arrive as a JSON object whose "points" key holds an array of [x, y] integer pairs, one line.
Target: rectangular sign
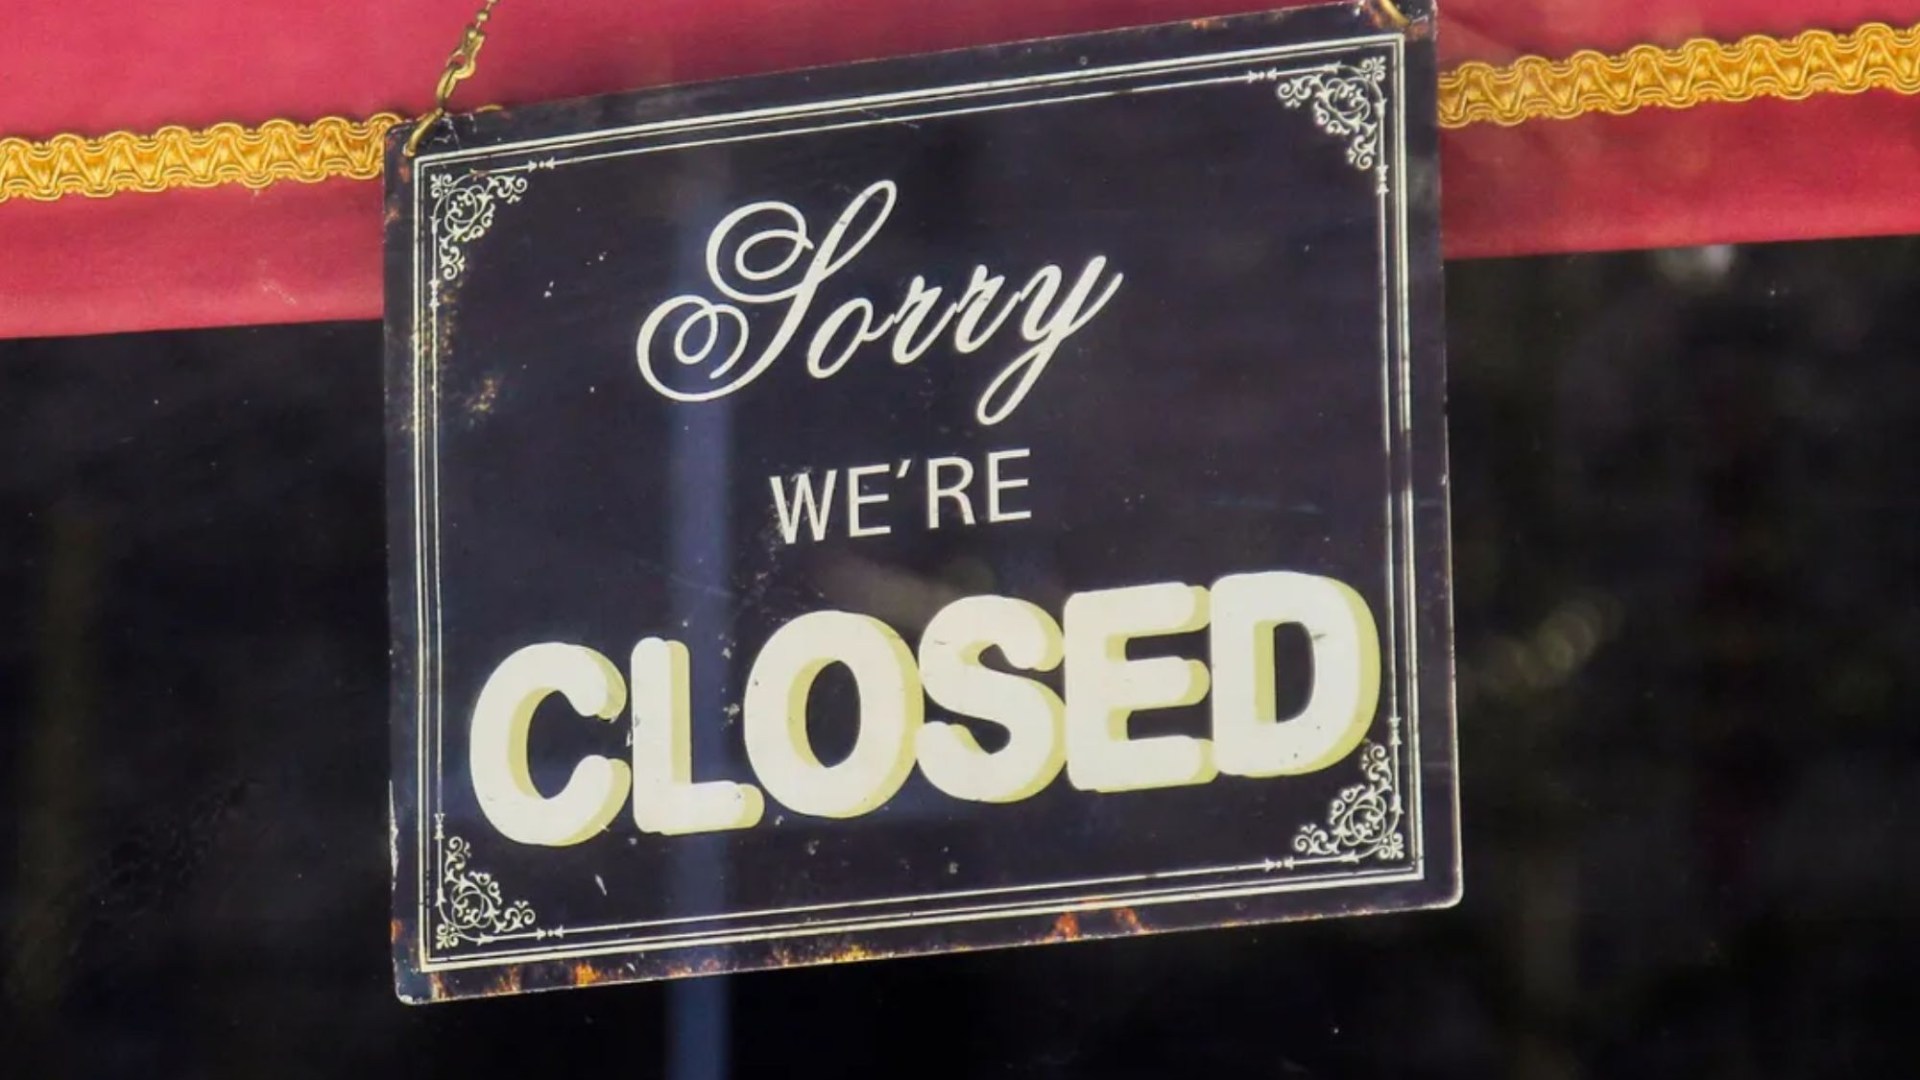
{"points": [[980, 499]]}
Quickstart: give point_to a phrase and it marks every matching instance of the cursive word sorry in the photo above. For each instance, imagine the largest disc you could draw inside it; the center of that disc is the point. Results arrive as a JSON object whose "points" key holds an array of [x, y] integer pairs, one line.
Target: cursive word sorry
{"points": [[763, 255]]}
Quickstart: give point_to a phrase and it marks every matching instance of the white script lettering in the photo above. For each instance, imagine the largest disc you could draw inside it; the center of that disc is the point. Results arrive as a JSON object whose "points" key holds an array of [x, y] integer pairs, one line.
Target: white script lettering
{"points": [[762, 255]]}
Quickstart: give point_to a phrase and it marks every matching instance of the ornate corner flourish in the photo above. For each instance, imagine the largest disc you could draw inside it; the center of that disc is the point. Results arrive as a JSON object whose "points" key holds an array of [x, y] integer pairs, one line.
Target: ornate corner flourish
{"points": [[1363, 821], [1347, 102], [468, 902], [463, 209]]}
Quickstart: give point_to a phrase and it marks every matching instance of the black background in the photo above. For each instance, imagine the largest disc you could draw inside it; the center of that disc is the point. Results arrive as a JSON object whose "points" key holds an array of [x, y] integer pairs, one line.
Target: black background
{"points": [[1688, 565]]}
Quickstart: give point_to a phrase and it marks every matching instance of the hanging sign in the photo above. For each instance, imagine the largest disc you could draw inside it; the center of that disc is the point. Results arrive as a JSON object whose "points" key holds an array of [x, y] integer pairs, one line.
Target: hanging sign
{"points": [[987, 498]]}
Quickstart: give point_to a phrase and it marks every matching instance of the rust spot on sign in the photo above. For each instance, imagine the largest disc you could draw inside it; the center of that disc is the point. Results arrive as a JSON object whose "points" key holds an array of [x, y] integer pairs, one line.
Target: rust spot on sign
{"points": [[847, 953], [483, 399], [507, 983]]}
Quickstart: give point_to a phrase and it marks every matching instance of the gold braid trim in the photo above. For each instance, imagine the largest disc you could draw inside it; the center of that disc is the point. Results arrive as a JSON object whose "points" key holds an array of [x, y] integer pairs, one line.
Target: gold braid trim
{"points": [[176, 157], [1873, 56]]}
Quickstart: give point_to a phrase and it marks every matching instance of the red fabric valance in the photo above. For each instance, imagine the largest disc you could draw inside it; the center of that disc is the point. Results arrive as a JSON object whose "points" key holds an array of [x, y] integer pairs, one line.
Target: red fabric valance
{"points": [[1827, 166]]}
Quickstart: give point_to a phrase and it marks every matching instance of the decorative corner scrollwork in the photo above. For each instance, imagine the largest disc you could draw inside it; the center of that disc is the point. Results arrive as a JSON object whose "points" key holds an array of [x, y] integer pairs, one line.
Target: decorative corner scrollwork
{"points": [[468, 902], [1347, 101], [1363, 821], [463, 210]]}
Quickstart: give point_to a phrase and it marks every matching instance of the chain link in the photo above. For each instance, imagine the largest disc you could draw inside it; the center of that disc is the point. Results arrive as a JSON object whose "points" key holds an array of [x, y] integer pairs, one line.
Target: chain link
{"points": [[460, 64]]}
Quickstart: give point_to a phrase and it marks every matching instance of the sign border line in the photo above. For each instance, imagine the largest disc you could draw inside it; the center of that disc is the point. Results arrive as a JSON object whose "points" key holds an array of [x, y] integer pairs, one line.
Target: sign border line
{"points": [[425, 461]]}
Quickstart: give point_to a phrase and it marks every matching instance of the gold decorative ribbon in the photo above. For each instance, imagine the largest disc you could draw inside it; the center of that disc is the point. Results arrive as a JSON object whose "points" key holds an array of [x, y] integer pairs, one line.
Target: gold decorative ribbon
{"points": [[177, 157], [1873, 56]]}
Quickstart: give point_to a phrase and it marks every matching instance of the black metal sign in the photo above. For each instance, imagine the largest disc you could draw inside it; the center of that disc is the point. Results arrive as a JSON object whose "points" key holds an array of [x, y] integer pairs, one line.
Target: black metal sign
{"points": [[987, 498]]}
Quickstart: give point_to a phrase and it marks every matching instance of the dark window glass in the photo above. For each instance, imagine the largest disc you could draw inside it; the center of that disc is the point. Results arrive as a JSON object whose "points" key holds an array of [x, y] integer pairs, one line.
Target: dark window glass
{"points": [[1687, 560]]}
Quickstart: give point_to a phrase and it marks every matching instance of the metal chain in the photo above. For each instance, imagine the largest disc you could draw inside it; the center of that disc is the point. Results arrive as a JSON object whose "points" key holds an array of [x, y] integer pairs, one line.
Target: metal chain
{"points": [[1394, 13], [460, 64]]}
